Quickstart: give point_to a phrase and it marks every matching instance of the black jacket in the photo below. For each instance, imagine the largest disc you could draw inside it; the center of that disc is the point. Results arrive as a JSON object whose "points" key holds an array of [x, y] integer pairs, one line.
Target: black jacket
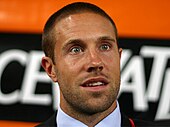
{"points": [[125, 121]]}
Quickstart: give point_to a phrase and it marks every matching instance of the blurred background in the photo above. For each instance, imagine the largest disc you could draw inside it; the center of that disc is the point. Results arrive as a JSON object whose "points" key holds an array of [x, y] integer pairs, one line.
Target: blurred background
{"points": [[27, 95]]}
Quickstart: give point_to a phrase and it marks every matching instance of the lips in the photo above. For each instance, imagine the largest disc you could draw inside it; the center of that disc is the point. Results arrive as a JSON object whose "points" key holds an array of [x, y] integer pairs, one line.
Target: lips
{"points": [[94, 82]]}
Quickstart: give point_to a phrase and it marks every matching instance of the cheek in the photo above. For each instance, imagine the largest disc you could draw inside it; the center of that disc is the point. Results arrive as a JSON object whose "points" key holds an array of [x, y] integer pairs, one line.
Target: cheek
{"points": [[74, 64], [112, 60], [68, 69]]}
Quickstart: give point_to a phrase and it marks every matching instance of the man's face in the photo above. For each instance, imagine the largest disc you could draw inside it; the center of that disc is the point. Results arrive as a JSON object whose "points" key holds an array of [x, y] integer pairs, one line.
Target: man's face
{"points": [[87, 63]]}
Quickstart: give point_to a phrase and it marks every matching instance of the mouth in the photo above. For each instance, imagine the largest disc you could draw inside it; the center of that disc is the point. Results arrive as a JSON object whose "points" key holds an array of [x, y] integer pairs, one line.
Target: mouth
{"points": [[95, 83]]}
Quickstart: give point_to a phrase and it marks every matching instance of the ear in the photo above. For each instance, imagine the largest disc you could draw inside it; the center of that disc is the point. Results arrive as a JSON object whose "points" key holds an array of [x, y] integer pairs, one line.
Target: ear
{"points": [[48, 66], [120, 52]]}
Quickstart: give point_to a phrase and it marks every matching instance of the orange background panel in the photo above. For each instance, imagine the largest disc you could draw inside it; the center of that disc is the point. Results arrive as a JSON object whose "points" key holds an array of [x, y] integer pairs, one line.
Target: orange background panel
{"points": [[16, 124], [146, 18]]}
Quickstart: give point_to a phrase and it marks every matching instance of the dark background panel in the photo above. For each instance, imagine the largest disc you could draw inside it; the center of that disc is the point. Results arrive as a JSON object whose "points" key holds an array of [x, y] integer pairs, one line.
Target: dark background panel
{"points": [[12, 78]]}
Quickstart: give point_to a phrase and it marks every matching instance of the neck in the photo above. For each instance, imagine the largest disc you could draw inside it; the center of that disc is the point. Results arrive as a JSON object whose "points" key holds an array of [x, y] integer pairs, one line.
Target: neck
{"points": [[89, 119]]}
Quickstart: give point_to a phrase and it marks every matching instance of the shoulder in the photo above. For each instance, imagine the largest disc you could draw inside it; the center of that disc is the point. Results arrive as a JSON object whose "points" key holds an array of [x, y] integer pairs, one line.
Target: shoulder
{"points": [[51, 122], [128, 122], [163, 123], [143, 123]]}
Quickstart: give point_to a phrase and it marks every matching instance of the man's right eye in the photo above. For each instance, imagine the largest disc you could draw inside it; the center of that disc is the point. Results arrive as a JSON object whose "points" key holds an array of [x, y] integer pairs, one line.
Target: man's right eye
{"points": [[76, 50]]}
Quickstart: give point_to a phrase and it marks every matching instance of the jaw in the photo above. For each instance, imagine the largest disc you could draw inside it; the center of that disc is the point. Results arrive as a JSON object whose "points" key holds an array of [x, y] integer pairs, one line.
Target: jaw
{"points": [[90, 119]]}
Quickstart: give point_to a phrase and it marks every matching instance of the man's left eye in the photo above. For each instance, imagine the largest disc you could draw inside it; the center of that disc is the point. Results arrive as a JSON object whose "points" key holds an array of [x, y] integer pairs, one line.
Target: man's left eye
{"points": [[104, 47]]}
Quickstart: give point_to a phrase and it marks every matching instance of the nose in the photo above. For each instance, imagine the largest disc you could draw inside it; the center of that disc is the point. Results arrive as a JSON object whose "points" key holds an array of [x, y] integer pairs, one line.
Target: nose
{"points": [[95, 63]]}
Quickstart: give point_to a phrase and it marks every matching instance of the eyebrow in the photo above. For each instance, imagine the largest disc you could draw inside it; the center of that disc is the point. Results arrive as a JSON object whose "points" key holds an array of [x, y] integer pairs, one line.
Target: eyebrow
{"points": [[107, 38], [72, 42]]}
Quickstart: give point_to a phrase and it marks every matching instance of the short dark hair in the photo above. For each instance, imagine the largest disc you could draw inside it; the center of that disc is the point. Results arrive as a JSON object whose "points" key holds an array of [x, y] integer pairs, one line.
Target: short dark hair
{"points": [[49, 37]]}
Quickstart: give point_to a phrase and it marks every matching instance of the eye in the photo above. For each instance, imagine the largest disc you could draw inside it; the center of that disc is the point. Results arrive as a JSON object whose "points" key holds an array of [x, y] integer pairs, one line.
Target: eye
{"points": [[76, 50], [105, 47]]}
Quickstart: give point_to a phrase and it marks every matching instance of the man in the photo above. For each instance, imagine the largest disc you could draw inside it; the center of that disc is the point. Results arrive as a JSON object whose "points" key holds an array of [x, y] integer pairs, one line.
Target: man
{"points": [[83, 55]]}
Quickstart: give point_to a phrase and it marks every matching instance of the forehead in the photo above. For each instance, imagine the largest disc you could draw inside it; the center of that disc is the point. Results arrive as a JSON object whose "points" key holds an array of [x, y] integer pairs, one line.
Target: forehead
{"points": [[84, 25]]}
